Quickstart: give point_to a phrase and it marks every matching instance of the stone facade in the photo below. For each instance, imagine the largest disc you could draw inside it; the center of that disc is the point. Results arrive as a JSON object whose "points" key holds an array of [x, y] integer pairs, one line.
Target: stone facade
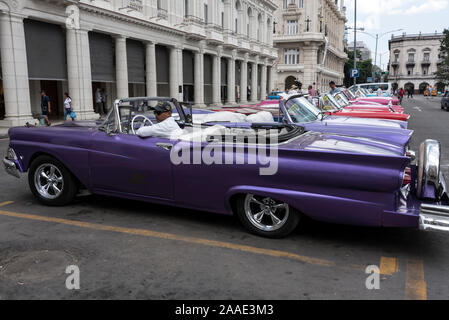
{"points": [[202, 51], [414, 60], [365, 52], [310, 38]]}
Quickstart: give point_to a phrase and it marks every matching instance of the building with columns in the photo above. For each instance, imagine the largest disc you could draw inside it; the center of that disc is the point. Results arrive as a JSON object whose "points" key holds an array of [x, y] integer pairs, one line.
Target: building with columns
{"points": [[309, 35], [207, 52], [414, 60]]}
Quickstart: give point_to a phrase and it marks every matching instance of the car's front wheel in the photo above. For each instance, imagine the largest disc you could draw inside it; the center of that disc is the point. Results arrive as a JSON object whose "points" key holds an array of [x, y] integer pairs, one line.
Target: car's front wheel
{"points": [[51, 182], [267, 217]]}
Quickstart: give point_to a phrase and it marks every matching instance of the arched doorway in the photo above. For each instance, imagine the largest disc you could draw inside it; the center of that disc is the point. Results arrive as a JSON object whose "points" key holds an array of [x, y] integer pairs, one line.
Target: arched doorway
{"points": [[289, 82], [422, 87], [409, 87]]}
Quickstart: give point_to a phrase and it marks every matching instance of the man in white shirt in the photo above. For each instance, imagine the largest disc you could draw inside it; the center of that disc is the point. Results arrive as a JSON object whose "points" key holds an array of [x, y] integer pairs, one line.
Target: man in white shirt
{"points": [[166, 126], [380, 93]]}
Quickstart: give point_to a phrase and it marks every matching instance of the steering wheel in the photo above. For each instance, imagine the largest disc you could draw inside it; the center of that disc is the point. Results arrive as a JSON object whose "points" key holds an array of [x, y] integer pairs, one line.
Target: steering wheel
{"points": [[145, 119]]}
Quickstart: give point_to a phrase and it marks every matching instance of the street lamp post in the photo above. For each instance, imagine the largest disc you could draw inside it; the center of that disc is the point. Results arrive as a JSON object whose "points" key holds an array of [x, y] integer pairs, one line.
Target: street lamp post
{"points": [[355, 39], [377, 37]]}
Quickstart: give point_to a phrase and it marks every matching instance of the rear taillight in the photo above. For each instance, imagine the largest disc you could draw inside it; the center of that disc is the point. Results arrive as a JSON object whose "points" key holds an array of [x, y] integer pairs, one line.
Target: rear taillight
{"points": [[407, 177]]}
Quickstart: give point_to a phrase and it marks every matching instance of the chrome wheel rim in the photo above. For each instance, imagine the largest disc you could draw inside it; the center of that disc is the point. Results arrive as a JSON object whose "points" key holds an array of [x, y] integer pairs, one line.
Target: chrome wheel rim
{"points": [[266, 213], [49, 181]]}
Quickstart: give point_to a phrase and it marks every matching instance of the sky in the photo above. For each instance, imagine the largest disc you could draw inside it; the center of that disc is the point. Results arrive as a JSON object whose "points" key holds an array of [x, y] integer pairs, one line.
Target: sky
{"points": [[382, 16]]}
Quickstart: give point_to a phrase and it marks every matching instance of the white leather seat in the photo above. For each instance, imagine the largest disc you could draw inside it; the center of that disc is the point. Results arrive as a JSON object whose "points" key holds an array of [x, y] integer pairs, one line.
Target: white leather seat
{"points": [[261, 117]]}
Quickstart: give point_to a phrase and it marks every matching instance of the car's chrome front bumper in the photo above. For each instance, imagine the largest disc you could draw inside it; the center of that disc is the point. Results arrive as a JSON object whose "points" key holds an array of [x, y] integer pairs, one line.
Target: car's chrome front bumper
{"points": [[11, 168], [434, 218]]}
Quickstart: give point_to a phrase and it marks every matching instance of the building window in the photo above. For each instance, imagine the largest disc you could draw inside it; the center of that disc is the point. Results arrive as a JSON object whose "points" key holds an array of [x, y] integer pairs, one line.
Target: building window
{"points": [[284, 4], [411, 57], [292, 27], [206, 14], [186, 8], [410, 71], [300, 3], [426, 56], [396, 57], [291, 56], [425, 70], [222, 20]]}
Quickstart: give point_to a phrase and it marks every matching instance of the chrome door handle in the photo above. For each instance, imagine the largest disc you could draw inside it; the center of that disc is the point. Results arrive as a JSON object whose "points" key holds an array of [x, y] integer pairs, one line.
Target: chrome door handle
{"points": [[165, 146]]}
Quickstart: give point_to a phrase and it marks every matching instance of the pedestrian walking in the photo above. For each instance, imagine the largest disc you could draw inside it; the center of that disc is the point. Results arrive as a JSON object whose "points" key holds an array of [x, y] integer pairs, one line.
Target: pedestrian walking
{"points": [[401, 95], [68, 108], [312, 91], [380, 93], [104, 101], [45, 107], [98, 102]]}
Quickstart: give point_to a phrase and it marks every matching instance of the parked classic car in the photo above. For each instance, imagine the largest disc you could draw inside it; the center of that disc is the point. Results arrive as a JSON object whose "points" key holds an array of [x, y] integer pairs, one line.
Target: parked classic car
{"points": [[363, 99], [363, 105], [298, 110], [327, 177], [330, 105]]}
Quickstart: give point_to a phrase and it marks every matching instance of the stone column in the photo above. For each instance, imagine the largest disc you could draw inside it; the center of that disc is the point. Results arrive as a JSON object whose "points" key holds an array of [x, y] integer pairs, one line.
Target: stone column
{"points": [[216, 79], [254, 82], [14, 70], [270, 75], [151, 72], [199, 79], [175, 72], [263, 82], [244, 81], [231, 79], [121, 67], [79, 73]]}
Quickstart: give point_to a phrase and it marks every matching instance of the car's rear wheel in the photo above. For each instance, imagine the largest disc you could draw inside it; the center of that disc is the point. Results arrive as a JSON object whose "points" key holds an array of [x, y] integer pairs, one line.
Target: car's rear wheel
{"points": [[267, 217], [51, 182]]}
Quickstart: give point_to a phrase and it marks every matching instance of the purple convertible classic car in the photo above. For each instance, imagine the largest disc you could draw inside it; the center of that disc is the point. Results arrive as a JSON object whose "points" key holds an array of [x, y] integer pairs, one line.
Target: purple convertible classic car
{"points": [[325, 176]]}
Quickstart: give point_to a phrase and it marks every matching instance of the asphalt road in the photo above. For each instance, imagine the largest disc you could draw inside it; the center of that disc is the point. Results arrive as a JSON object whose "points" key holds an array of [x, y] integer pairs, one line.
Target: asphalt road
{"points": [[132, 250]]}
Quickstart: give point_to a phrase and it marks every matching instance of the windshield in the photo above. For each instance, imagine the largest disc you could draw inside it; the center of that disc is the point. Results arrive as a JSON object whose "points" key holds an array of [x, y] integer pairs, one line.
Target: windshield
{"points": [[301, 110], [330, 104], [349, 94], [341, 98]]}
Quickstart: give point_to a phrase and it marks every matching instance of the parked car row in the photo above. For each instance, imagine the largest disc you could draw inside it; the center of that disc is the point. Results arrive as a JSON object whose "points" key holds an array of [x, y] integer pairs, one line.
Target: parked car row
{"points": [[338, 160]]}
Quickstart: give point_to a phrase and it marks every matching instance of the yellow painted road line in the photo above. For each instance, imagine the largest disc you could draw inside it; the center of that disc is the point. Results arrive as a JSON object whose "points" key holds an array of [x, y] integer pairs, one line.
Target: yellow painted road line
{"points": [[415, 286], [168, 236], [6, 203], [388, 266]]}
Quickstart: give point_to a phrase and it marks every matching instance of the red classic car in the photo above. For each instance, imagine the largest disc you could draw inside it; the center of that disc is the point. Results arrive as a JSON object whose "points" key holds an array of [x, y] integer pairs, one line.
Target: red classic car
{"points": [[329, 104], [359, 97], [346, 103]]}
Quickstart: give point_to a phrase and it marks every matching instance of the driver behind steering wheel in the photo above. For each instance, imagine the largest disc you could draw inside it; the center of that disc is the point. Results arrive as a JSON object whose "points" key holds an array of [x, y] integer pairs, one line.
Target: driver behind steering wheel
{"points": [[166, 126]]}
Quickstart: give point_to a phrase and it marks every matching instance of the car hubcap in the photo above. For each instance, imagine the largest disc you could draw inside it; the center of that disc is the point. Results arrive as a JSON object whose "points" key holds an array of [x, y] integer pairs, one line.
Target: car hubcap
{"points": [[49, 181], [265, 213]]}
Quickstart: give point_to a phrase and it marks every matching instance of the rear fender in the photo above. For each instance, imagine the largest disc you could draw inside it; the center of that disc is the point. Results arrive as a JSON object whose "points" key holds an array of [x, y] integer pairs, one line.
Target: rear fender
{"points": [[319, 207]]}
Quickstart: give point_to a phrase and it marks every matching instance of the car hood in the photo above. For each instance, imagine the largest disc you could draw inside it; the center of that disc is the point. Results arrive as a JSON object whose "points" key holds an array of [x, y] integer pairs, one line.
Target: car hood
{"points": [[384, 123], [391, 135], [339, 143]]}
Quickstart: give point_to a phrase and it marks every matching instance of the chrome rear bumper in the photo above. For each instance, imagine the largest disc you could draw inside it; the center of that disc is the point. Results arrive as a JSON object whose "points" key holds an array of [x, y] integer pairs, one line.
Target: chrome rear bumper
{"points": [[11, 168], [434, 218]]}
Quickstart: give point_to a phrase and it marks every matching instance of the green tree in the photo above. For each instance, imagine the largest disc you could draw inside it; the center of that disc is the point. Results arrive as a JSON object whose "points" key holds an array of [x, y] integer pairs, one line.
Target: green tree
{"points": [[442, 73], [365, 67]]}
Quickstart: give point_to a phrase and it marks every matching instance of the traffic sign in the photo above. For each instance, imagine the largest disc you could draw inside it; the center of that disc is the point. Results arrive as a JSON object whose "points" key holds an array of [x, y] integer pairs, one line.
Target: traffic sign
{"points": [[355, 73], [369, 79]]}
